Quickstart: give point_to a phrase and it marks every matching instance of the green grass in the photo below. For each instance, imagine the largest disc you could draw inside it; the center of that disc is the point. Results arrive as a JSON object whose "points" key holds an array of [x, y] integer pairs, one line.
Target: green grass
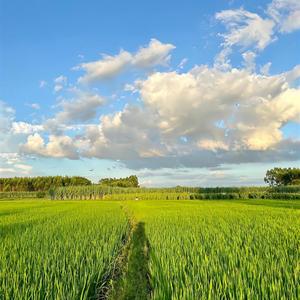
{"points": [[133, 283], [180, 249], [222, 249], [57, 250]]}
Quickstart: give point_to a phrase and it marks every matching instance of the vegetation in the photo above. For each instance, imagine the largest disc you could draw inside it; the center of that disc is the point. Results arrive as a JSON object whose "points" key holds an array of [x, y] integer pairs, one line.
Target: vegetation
{"points": [[43, 183], [127, 182], [239, 249], [178, 193], [283, 176], [55, 250], [221, 250]]}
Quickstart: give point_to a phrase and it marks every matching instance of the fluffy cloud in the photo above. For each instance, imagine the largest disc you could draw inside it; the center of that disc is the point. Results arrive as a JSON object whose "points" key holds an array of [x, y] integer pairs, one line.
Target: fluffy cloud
{"points": [[204, 117], [127, 134], [156, 53], [57, 146], [25, 128], [82, 108], [105, 68], [225, 106], [246, 29], [250, 30]]}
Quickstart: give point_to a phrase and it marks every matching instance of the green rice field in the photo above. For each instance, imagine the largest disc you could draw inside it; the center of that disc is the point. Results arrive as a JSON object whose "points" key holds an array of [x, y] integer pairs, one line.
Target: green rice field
{"points": [[178, 249]]}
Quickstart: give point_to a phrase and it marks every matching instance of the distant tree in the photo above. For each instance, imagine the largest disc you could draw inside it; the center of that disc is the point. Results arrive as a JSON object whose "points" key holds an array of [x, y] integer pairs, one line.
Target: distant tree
{"points": [[39, 184], [131, 181], [283, 176]]}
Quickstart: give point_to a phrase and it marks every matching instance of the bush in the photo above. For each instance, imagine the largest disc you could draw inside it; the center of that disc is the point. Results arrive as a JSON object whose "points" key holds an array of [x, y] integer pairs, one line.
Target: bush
{"points": [[40, 194]]}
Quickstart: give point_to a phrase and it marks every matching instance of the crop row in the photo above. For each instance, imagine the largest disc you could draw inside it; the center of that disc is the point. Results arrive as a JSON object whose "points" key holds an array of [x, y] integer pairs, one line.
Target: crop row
{"points": [[51, 251], [221, 250], [93, 192]]}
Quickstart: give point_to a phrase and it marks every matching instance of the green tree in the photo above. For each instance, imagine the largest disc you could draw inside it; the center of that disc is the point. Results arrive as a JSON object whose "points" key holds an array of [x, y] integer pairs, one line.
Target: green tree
{"points": [[131, 181], [282, 176]]}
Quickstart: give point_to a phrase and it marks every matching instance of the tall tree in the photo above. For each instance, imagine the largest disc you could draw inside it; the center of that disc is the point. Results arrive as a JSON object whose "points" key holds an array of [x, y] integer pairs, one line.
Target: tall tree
{"points": [[283, 176]]}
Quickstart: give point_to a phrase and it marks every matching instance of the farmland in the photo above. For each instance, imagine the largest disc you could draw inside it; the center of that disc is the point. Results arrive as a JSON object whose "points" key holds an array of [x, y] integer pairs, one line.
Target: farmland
{"points": [[234, 249], [57, 250]]}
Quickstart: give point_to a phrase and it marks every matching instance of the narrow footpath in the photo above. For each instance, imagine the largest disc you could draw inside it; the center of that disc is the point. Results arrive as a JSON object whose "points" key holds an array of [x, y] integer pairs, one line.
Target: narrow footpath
{"points": [[130, 278]]}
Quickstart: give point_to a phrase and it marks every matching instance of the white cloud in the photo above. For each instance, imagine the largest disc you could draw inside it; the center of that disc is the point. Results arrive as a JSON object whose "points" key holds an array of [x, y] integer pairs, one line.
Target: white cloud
{"points": [[155, 53], [246, 29], [10, 157], [105, 68], [25, 128], [61, 79], [82, 108], [182, 63], [202, 118], [265, 69], [58, 146], [292, 75], [42, 83], [286, 13], [59, 83], [222, 60], [25, 169], [212, 145], [249, 60]]}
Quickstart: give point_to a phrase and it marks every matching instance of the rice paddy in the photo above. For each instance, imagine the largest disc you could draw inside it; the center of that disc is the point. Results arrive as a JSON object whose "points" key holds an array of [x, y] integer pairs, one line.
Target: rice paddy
{"points": [[239, 249]]}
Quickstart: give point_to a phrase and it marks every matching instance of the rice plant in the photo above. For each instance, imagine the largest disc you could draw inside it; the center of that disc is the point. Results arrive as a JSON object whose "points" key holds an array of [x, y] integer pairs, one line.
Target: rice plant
{"points": [[222, 249], [58, 250]]}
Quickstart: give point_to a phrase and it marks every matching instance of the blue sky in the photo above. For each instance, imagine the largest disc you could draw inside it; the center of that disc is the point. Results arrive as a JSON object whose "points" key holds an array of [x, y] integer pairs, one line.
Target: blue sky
{"points": [[194, 93]]}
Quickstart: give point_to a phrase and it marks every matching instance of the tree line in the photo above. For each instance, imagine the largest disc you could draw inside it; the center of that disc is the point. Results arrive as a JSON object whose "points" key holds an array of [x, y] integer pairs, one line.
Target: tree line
{"points": [[41, 183], [127, 182]]}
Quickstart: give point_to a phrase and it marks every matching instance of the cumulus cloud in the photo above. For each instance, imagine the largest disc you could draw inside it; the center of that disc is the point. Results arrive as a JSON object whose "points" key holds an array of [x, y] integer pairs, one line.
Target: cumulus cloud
{"points": [[25, 128], [126, 134], [57, 146], [204, 117], [193, 105], [155, 53], [82, 108]]}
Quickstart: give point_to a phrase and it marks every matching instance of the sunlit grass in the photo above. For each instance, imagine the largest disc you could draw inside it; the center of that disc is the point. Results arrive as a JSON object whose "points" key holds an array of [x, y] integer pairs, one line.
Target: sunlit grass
{"points": [[57, 250], [222, 250]]}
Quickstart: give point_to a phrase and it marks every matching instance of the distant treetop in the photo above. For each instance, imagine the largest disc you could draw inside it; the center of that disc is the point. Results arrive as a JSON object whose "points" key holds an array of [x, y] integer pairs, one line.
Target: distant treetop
{"points": [[131, 181], [41, 183]]}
